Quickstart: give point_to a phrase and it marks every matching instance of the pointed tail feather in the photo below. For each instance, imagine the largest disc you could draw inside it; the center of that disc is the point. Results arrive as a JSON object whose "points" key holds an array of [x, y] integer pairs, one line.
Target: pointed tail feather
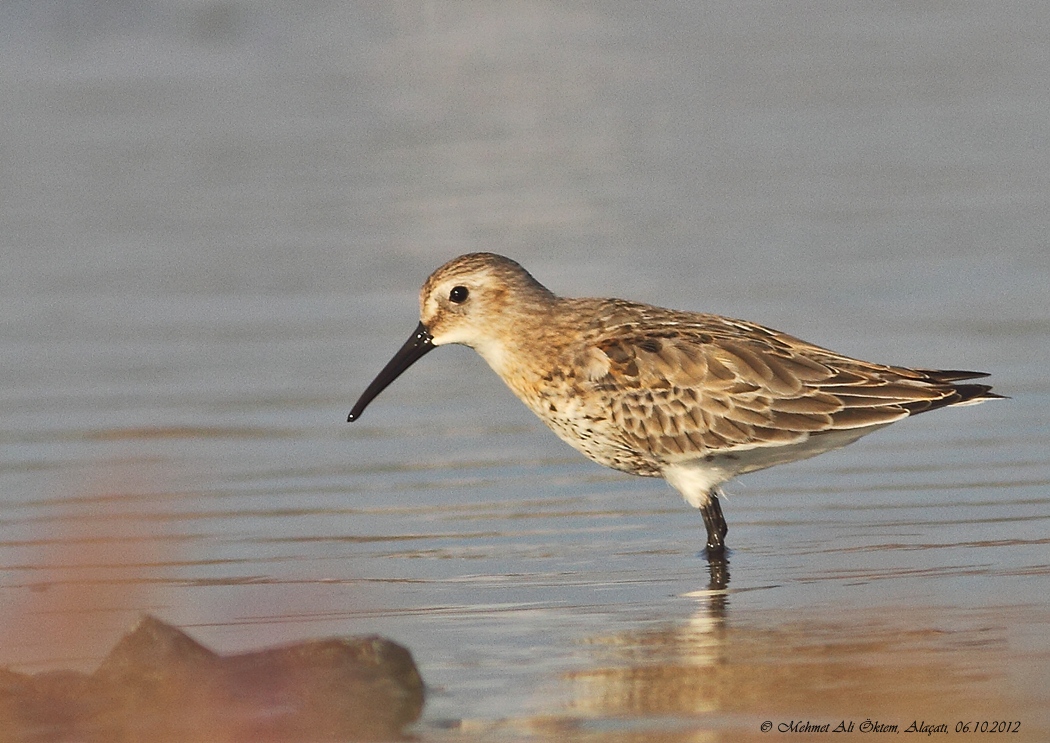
{"points": [[971, 394]]}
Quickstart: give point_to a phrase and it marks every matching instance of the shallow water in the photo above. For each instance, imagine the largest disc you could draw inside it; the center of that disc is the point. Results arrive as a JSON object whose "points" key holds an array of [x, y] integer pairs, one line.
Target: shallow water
{"points": [[215, 217]]}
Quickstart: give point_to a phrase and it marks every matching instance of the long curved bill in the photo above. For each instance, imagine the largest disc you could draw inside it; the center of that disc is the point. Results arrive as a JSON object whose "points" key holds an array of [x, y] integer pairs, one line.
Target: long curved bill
{"points": [[415, 348]]}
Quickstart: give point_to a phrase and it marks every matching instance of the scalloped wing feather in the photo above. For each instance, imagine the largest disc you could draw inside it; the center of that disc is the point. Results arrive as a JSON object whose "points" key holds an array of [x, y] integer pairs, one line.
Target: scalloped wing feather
{"points": [[686, 385]]}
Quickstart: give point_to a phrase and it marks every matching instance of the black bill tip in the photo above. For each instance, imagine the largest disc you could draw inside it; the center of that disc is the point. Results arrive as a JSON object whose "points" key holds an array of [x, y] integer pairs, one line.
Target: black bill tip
{"points": [[417, 346]]}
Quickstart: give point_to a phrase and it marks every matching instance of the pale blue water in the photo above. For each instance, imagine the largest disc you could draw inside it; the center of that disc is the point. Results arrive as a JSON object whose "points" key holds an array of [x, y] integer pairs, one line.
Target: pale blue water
{"points": [[214, 218]]}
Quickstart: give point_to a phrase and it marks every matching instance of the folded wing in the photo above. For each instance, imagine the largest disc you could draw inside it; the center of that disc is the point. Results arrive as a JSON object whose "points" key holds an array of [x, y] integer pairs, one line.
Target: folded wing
{"points": [[687, 389]]}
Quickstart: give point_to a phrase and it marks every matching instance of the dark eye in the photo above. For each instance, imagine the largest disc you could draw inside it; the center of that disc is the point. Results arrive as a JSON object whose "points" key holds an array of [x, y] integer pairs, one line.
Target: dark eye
{"points": [[458, 295]]}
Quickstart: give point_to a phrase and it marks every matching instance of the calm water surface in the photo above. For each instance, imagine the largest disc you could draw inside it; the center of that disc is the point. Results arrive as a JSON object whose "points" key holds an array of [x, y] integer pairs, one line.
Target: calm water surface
{"points": [[214, 219]]}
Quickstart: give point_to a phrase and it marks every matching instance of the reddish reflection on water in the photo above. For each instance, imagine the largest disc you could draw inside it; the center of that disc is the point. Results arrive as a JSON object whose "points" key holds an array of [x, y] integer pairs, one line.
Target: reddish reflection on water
{"points": [[90, 568]]}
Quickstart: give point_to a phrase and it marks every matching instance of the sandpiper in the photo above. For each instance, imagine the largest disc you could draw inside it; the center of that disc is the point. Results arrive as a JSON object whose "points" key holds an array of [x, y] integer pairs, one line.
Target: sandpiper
{"points": [[693, 398]]}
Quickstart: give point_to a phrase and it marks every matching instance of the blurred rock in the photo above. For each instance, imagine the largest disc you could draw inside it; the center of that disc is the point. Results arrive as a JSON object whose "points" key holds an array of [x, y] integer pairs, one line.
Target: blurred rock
{"points": [[158, 683]]}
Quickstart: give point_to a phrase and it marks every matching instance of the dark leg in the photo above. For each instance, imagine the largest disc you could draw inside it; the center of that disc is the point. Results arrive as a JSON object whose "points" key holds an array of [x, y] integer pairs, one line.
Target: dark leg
{"points": [[718, 568], [716, 527]]}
